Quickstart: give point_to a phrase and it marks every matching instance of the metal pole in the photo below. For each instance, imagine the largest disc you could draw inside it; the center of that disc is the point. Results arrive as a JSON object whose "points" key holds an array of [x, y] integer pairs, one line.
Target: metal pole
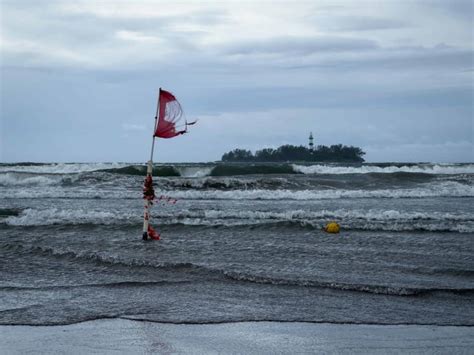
{"points": [[146, 214], [149, 171], [156, 124]]}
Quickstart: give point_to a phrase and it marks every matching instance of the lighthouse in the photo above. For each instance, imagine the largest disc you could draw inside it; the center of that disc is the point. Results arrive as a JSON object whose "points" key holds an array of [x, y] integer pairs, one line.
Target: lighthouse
{"points": [[311, 145]]}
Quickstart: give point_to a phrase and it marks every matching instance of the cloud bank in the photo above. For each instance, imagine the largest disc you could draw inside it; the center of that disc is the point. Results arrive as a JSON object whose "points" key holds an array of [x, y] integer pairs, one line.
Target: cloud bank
{"points": [[393, 78]]}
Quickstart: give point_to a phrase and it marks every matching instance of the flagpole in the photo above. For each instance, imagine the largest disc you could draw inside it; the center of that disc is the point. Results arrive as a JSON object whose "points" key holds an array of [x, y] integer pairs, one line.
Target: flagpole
{"points": [[156, 123], [149, 172]]}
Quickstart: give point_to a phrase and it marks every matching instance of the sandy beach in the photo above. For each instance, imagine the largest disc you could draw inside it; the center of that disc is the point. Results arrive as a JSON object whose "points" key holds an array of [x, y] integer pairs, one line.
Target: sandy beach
{"points": [[128, 336]]}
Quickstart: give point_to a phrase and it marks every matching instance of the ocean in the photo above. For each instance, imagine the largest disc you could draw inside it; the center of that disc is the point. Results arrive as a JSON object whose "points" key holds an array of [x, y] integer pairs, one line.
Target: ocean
{"points": [[239, 242]]}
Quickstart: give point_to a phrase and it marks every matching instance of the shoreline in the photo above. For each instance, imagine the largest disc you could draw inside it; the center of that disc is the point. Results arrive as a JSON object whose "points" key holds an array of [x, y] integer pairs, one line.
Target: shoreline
{"points": [[130, 336], [195, 323]]}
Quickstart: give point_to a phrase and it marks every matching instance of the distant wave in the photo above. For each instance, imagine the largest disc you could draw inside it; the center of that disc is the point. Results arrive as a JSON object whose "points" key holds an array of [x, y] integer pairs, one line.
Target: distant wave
{"points": [[442, 189], [206, 170], [367, 169], [141, 170], [223, 169], [234, 169], [247, 192], [65, 185], [5, 212], [194, 171], [59, 168], [349, 219], [12, 179], [227, 183]]}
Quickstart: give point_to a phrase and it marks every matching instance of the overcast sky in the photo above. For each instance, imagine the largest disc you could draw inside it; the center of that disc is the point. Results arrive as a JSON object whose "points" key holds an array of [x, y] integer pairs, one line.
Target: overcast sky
{"points": [[79, 79]]}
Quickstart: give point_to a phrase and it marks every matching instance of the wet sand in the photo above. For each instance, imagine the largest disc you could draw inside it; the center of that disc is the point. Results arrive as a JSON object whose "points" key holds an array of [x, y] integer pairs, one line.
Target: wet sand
{"points": [[128, 336]]}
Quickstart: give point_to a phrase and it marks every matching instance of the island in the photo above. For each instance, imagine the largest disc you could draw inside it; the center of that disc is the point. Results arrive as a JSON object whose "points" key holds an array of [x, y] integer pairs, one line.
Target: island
{"points": [[291, 153]]}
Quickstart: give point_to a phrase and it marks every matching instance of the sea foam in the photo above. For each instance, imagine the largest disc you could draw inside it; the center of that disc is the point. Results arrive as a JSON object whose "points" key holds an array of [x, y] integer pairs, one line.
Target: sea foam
{"points": [[428, 190], [388, 220], [366, 169]]}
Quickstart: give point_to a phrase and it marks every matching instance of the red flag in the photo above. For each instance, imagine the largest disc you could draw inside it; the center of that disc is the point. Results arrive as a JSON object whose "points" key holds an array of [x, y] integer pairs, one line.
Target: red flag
{"points": [[169, 116]]}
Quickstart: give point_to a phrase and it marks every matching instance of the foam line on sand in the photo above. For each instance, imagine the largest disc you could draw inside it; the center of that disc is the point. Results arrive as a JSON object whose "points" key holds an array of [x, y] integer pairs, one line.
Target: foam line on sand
{"points": [[128, 336]]}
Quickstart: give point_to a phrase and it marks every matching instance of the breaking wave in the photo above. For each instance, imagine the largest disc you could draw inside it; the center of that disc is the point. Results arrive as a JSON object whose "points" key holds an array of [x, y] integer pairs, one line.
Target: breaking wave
{"points": [[59, 168], [224, 169], [12, 179], [372, 220], [33, 217], [198, 171], [443, 189], [243, 191], [390, 220], [233, 169], [194, 172], [368, 169], [141, 170], [252, 169], [228, 183]]}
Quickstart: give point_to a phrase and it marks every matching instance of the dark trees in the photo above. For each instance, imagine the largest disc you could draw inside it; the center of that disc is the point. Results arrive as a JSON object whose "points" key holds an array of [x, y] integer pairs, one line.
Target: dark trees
{"points": [[333, 153]]}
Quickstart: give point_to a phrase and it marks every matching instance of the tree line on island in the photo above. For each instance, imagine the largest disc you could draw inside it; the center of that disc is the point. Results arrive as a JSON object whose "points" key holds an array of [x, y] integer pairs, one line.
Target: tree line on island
{"points": [[322, 153]]}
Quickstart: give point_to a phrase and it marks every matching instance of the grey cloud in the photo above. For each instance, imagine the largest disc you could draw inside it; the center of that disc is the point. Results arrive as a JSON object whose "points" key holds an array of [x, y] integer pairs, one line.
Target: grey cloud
{"points": [[352, 89], [42, 33], [61, 102], [431, 58], [300, 45], [409, 59], [359, 23], [461, 9]]}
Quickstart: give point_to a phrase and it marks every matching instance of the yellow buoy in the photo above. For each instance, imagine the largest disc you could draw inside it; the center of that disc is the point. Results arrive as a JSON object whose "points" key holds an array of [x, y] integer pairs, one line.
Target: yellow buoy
{"points": [[332, 227]]}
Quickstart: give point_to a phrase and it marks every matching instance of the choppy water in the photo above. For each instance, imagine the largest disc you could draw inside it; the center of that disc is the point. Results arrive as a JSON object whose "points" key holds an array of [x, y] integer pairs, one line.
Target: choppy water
{"points": [[243, 242]]}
